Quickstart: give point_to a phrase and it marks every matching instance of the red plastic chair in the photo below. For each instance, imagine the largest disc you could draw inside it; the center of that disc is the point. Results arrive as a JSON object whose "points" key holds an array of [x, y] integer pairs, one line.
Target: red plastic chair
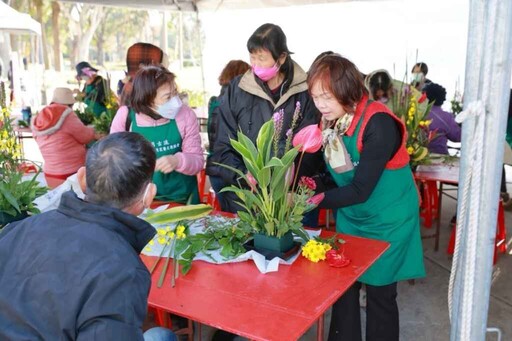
{"points": [[501, 235], [429, 202]]}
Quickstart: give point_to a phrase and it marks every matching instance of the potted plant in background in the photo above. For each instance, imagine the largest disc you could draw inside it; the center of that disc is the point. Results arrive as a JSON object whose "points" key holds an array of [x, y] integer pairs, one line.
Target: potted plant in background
{"points": [[16, 194], [275, 201]]}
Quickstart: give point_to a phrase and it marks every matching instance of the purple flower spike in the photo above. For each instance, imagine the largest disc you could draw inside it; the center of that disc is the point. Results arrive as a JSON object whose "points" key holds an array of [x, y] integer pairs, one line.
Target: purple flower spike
{"points": [[289, 133], [278, 117]]}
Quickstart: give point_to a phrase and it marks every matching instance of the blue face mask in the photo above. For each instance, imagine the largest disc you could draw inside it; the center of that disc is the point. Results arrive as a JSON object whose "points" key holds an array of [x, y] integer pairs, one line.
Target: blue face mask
{"points": [[170, 109]]}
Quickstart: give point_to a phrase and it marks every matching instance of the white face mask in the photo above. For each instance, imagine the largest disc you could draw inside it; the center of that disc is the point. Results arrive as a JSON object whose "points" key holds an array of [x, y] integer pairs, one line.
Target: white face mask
{"points": [[170, 109], [417, 76]]}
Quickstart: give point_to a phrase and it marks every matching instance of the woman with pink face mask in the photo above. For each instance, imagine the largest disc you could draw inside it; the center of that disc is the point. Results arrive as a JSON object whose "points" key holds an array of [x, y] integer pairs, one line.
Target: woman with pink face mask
{"points": [[94, 91], [274, 82]]}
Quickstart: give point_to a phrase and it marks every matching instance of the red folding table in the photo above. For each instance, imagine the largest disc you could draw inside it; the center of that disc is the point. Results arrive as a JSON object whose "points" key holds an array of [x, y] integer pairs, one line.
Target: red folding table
{"points": [[282, 305]]}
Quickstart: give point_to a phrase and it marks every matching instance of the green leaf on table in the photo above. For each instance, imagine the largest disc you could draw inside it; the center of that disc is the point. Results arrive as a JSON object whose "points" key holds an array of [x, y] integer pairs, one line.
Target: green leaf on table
{"points": [[178, 213]]}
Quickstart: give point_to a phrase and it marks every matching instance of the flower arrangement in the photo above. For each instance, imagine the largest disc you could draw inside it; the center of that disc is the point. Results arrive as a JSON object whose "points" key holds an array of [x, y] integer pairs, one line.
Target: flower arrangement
{"points": [[319, 249], [413, 108], [273, 204], [17, 195]]}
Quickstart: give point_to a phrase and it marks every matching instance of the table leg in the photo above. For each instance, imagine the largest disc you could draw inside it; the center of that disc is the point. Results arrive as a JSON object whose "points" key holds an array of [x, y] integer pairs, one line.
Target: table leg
{"points": [[438, 219], [320, 328]]}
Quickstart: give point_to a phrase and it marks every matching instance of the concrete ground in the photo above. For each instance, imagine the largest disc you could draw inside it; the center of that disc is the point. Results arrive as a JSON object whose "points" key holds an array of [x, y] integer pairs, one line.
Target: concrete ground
{"points": [[424, 306]]}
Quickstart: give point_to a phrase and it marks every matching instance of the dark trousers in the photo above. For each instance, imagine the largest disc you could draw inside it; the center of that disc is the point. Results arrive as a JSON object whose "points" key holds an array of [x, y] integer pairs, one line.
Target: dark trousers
{"points": [[381, 315]]}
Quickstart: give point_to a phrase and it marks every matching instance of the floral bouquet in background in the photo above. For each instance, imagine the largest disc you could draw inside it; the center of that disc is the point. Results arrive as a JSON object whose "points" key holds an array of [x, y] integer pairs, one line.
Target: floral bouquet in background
{"points": [[275, 201], [413, 111], [104, 121], [456, 102]]}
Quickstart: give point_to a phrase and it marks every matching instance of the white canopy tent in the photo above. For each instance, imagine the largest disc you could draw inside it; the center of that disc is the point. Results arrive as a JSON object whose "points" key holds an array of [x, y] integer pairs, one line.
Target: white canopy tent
{"points": [[14, 22], [205, 5]]}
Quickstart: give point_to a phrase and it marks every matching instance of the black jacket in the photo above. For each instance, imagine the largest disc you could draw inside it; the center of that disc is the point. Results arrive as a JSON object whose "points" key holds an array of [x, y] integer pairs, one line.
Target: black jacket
{"points": [[246, 105], [74, 274]]}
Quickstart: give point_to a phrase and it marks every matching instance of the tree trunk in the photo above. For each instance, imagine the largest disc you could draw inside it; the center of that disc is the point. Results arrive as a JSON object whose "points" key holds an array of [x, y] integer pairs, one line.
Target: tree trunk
{"points": [[100, 41], [57, 56], [96, 17], [39, 17]]}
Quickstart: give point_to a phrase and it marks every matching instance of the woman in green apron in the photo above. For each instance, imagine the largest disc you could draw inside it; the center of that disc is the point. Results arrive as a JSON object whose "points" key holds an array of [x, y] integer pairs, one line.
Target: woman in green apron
{"points": [[94, 90], [364, 148], [157, 113]]}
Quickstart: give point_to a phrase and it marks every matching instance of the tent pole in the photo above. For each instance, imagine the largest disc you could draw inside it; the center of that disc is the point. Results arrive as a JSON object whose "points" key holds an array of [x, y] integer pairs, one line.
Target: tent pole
{"points": [[488, 71]]}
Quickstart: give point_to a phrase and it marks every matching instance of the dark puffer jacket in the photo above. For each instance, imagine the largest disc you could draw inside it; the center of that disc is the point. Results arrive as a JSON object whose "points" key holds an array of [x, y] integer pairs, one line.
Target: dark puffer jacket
{"points": [[74, 274], [246, 105]]}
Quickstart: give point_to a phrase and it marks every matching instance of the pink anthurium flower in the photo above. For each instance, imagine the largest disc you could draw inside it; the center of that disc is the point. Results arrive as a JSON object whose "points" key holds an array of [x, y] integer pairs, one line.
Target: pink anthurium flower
{"points": [[308, 139], [316, 199]]}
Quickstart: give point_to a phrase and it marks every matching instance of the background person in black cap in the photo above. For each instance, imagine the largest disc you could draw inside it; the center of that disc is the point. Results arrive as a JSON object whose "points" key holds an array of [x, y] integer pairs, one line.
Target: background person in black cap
{"points": [[94, 91]]}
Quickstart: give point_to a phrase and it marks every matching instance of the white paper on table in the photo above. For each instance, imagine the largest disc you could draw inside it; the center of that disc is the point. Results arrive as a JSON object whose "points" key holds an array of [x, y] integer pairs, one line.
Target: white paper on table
{"points": [[263, 265], [51, 200]]}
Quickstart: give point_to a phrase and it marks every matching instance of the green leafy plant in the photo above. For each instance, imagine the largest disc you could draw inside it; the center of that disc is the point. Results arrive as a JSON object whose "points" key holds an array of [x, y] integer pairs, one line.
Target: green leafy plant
{"points": [[85, 115], [182, 246], [223, 235], [17, 195]]}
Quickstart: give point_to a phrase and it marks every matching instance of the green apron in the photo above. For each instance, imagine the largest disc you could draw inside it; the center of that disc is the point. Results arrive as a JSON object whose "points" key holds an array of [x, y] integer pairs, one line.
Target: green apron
{"points": [[166, 139], [391, 213], [91, 92]]}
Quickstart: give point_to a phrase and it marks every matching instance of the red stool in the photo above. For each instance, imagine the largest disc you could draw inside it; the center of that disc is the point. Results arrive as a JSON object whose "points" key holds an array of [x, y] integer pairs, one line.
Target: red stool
{"points": [[201, 183], [429, 202], [326, 219], [501, 235]]}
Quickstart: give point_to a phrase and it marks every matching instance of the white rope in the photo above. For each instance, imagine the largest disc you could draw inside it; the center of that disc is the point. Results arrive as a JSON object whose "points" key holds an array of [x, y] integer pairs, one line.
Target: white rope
{"points": [[471, 185]]}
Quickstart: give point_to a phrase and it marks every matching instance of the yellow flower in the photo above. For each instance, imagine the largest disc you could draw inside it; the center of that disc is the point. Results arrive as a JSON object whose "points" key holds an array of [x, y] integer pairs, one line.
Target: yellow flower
{"points": [[180, 232], [162, 240], [315, 251], [410, 150], [170, 234], [161, 232], [151, 242]]}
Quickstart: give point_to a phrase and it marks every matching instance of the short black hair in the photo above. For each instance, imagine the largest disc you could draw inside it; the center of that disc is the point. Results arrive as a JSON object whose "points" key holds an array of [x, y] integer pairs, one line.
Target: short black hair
{"points": [[423, 67], [379, 81], [435, 92], [269, 37], [118, 168]]}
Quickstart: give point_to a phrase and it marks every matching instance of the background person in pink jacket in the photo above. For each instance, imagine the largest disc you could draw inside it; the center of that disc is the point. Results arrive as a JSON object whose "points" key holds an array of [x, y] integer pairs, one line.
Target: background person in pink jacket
{"points": [[157, 113], [61, 137]]}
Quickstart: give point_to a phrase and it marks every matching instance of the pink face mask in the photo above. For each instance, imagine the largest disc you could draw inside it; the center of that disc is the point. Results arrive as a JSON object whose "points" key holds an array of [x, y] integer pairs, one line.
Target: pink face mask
{"points": [[265, 73]]}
